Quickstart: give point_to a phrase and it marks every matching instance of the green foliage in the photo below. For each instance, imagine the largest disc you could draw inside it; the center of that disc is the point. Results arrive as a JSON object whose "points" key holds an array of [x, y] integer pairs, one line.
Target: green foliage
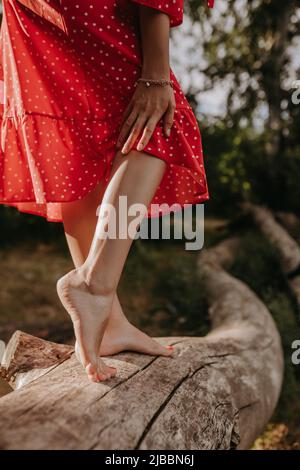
{"points": [[254, 151], [227, 164], [238, 170], [186, 304], [163, 276], [18, 227]]}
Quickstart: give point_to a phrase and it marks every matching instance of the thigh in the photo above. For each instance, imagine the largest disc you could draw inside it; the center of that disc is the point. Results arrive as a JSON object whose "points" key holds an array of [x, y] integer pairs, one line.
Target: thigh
{"points": [[142, 162], [88, 204]]}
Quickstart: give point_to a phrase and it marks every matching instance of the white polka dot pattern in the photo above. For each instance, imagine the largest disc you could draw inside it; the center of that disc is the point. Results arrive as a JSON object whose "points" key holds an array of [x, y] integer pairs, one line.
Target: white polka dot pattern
{"points": [[66, 77]]}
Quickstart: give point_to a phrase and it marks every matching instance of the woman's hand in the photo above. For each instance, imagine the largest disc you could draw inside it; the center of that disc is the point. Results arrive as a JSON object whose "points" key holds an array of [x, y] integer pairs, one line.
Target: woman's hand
{"points": [[148, 106]]}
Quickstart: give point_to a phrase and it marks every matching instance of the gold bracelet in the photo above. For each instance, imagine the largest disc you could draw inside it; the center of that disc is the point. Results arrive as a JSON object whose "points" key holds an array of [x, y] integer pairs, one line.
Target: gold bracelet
{"points": [[150, 82]]}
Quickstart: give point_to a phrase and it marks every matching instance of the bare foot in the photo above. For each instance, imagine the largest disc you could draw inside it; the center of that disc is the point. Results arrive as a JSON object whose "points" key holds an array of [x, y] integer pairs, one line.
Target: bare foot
{"points": [[123, 336], [89, 313]]}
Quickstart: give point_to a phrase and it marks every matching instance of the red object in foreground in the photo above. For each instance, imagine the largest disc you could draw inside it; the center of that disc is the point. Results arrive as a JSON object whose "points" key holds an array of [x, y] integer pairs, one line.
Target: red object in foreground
{"points": [[67, 74]]}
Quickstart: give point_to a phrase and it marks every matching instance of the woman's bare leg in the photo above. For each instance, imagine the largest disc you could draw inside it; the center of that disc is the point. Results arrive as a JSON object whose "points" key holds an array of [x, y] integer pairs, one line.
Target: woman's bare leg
{"points": [[88, 292], [80, 222]]}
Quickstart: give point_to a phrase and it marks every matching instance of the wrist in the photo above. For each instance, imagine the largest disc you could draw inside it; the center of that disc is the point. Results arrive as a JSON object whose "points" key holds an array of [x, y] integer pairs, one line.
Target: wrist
{"points": [[150, 82], [156, 73]]}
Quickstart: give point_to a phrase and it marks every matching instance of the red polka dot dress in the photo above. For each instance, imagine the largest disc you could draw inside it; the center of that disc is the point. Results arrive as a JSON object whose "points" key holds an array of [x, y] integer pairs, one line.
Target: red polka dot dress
{"points": [[67, 73]]}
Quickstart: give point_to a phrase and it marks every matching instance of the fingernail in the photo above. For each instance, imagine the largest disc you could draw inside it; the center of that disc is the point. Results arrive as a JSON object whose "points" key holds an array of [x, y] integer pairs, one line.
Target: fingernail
{"points": [[124, 150], [168, 132], [140, 147], [170, 347]]}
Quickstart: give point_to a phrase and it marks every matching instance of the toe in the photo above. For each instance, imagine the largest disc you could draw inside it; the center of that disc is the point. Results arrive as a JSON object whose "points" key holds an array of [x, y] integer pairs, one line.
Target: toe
{"points": [[103, 377], [164, 351], [170, 350], [92, 373], [113, 371], [105, 370]]}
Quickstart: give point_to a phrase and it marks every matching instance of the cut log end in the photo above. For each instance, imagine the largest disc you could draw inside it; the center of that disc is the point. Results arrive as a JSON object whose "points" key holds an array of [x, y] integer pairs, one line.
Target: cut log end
{"points": [[25, 353]]}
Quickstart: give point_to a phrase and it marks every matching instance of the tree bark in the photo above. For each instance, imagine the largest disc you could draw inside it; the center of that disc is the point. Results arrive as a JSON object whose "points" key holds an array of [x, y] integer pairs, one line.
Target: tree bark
{"points": [[218, 392]]}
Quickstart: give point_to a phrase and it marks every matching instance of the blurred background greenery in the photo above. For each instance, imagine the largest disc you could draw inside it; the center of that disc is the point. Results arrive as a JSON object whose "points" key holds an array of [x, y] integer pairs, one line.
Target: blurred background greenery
{"points": [[237, 65]]}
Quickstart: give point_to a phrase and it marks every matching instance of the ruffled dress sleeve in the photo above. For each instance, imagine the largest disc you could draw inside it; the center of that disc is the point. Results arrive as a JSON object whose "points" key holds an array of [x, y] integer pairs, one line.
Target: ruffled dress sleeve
{"points": [[50, 10], [173, 8]]}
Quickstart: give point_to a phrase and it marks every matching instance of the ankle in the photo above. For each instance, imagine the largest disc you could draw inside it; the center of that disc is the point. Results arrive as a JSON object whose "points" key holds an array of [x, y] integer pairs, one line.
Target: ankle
{"points": [[99, 286]]}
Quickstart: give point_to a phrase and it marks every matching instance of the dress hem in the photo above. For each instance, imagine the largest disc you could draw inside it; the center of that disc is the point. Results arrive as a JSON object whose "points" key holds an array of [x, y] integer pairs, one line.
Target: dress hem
{"points": [[204, 198]]}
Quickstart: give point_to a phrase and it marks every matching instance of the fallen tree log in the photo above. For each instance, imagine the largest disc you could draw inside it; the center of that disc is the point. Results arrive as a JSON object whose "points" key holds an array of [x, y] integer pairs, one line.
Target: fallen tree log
{"points": [[289, 220], [218, 392], [287, 247]]}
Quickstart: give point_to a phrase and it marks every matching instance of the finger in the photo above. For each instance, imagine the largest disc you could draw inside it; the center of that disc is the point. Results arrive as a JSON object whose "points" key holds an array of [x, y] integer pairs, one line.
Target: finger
{"points": [[126, 127], [127, 112], [147, 133], [128, 123], [135, 132], [169, 120]]}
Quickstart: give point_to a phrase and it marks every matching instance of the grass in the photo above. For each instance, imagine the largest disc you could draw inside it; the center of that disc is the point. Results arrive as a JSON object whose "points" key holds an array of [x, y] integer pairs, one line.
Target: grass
{"points": [[28, 297]]}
